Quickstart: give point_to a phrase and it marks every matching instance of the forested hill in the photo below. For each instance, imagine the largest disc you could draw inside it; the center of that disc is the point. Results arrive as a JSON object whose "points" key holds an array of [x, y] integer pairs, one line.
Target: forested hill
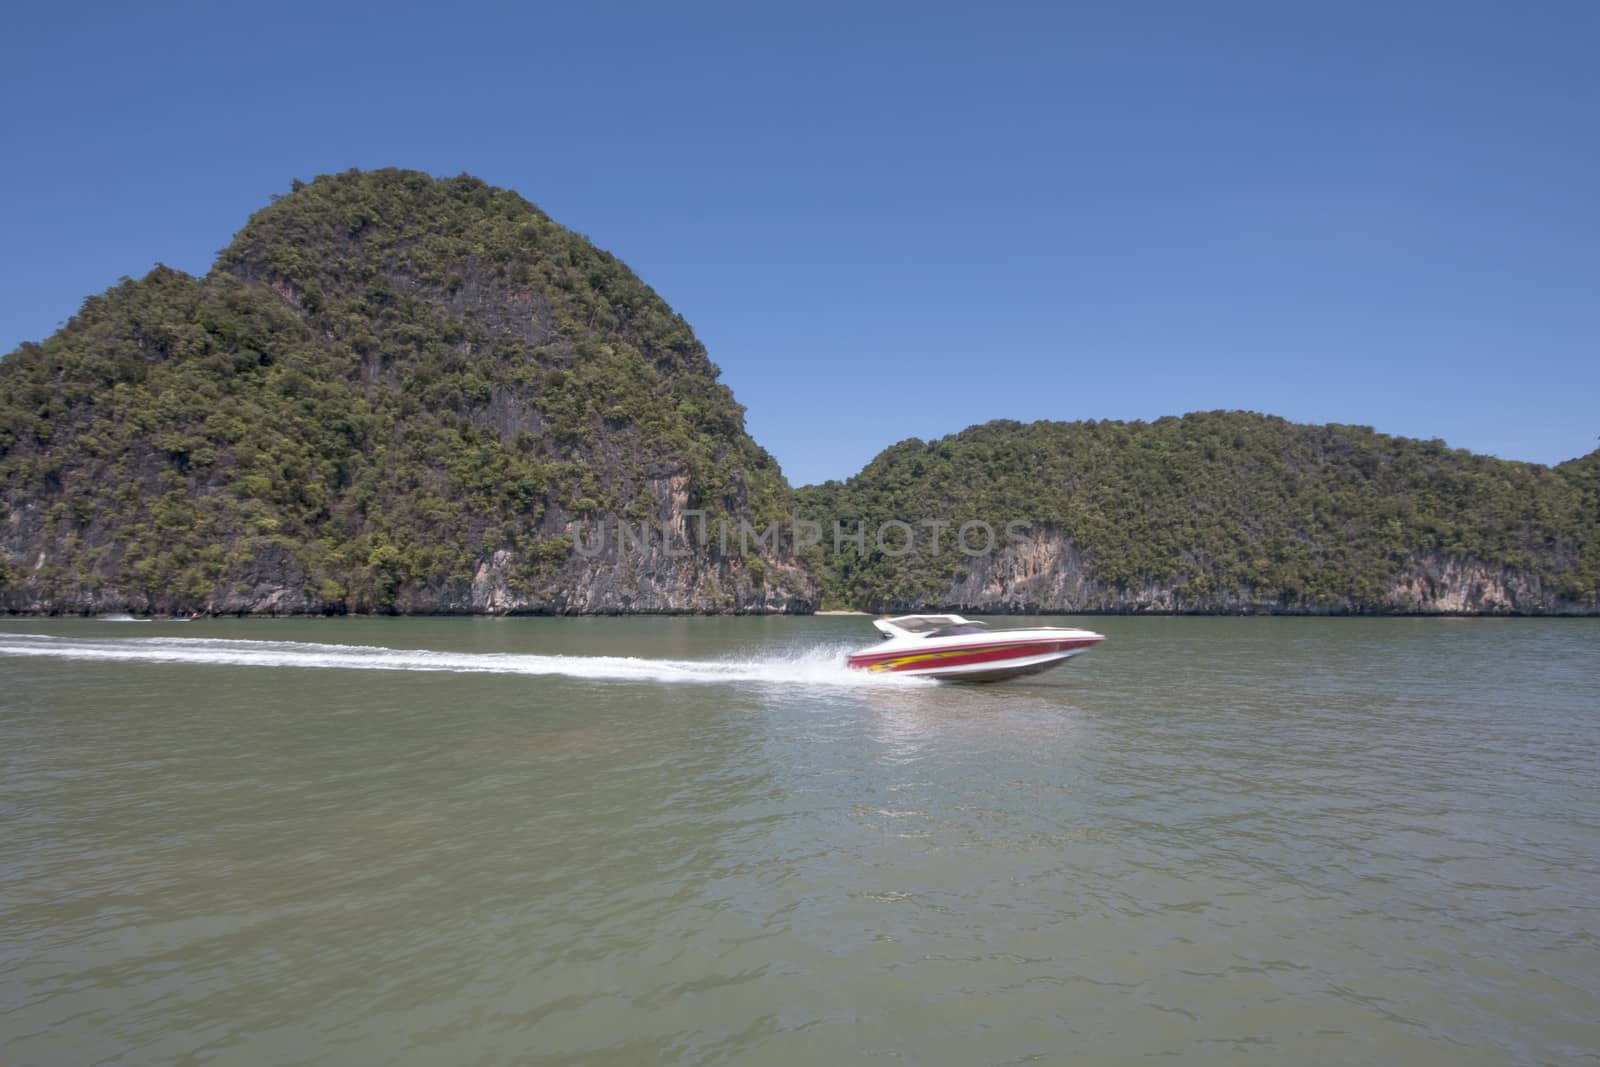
{"points": [[1220, 511], [391, 393], [400, 393]]}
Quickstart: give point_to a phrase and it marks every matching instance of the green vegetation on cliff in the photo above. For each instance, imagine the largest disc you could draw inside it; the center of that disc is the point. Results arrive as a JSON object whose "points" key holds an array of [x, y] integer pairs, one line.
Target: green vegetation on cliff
{"points": [[386, 381], [395, 392], [1221, 508]]}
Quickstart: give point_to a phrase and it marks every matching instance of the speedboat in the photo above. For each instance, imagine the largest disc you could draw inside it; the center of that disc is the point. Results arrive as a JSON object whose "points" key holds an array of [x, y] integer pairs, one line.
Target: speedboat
{"points": [[960, 650]]}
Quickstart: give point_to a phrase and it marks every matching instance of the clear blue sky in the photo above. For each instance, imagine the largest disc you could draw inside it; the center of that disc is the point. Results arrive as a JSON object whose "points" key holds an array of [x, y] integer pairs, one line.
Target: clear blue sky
{"points": [[898, 220]]}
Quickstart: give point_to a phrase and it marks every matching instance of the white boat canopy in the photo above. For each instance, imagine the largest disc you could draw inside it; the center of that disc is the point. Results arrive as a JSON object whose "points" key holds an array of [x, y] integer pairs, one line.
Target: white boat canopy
{"points": [[925, 625]]}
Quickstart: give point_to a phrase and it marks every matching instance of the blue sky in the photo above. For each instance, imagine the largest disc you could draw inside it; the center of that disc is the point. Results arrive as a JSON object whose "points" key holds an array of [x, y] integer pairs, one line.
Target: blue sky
{"points": [[895, 220]]}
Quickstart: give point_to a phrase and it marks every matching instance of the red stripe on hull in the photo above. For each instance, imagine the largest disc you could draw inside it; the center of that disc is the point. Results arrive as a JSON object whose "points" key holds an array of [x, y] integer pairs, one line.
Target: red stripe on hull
{"points": [[961, 655]]}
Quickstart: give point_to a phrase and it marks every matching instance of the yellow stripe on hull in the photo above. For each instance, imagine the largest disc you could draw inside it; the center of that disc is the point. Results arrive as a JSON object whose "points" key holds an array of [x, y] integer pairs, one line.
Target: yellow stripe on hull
{"points": [[934, 657]]}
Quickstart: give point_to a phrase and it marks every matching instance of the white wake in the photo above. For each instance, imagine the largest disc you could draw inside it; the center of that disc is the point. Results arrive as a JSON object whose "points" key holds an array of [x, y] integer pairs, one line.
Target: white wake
{"points": [[818, 666]]}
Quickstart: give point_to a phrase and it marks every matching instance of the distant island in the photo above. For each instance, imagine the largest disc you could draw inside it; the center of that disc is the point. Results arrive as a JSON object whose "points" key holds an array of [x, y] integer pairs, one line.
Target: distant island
{"points": [[1223, 512], [401, 394]]}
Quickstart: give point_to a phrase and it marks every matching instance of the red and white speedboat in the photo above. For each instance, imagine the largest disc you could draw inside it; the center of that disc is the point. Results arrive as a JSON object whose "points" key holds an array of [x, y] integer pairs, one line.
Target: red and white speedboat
{"points": [[957, 649]]}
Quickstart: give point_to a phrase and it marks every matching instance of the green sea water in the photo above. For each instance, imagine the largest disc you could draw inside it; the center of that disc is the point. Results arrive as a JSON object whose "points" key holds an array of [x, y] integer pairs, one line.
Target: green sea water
{"points": [[639, 841]]}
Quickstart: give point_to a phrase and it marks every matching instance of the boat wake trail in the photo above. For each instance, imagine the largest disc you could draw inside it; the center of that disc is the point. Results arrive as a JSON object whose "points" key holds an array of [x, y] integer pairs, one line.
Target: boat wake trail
{"points": [[820, 666]]}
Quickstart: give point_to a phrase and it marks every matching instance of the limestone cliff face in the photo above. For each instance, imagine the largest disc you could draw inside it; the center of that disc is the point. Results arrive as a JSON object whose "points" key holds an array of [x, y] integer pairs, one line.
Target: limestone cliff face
{"points": [[1450, 585], [640, 572], [658, 565], [1045, 573], [666, 562]]}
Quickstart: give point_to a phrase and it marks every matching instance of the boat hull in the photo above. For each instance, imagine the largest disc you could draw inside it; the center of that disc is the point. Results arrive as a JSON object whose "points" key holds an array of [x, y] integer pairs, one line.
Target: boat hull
{"points": [[994, 660]]}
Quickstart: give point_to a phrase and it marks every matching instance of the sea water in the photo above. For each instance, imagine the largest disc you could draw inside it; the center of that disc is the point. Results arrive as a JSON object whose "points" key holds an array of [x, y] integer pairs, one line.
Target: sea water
{"points": [[621, 841]]}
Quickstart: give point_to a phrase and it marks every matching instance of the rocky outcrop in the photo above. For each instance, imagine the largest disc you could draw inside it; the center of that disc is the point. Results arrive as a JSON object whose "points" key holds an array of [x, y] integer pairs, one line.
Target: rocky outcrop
{"points": [[1450, 585], [671, 562], [1045, 573]]}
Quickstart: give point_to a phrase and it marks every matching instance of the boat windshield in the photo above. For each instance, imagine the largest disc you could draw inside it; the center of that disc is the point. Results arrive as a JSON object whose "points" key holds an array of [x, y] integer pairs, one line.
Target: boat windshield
{"points": [[960, 628], [928, 626], [922, 624]]}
